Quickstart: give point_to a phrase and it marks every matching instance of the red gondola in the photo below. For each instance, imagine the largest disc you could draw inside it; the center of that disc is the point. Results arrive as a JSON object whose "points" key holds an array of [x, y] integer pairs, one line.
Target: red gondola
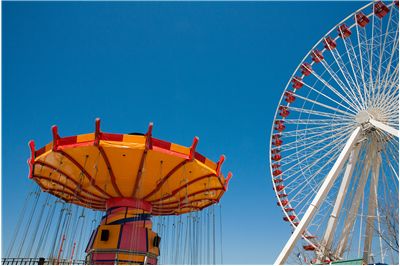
{"points": [[317, 56], [276, 157], [289, 96], [344, 31], [282, 195], [362, 19], [275, 151], [280, 125], [276, 166], [279, 187], [329, 43], [309, 247], [277, 142], [380, 9], [291, 217], [289, 209], [276, 136], [283, 203], [310, 237], [276, 173], [297, 82], [306, 69], [284, 112], [278, 180]]}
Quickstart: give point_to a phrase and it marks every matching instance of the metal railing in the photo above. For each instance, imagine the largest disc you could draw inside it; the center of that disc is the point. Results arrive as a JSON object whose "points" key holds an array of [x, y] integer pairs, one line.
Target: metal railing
{"points": [[40, 261]]}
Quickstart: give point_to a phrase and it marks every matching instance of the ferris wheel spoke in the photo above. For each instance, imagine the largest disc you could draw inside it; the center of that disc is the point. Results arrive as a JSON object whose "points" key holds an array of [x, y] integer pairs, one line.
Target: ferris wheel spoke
{"points": [[375, 59], [379, 55], [391, 83], [315, 122], [355, 66], [393, 121], [320, 113], [337, 141], [307, 131], [311, 137], [388, 69], [388, 88], [370, 65], [325, 105], [300, 186], [364, 59], [303, 202], [391, 113], [316, 157], [297, 183], [391, 67], [350, 96], [352, 86], [345, 97], [382, 51], [318, 223]]}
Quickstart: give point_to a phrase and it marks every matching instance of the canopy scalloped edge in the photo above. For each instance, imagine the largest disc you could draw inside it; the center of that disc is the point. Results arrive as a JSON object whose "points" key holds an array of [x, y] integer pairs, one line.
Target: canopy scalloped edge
{"points": [[93, 139]]}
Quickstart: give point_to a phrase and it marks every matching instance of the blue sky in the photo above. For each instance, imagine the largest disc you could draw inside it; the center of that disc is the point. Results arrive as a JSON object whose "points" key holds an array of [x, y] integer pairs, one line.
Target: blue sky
{"points": [[213, 70]]}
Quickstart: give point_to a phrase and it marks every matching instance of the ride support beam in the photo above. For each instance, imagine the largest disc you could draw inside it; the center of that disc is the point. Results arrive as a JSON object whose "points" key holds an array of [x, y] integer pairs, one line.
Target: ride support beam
{"points": [[320, 197], [333, 219], [355, 204], [370, 225], [379, 230], [384, 127]]}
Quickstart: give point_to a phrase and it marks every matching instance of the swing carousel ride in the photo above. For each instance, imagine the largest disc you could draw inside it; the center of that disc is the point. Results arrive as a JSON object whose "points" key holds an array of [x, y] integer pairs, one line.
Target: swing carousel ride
{"points": [[128, 178], [335, 144]]}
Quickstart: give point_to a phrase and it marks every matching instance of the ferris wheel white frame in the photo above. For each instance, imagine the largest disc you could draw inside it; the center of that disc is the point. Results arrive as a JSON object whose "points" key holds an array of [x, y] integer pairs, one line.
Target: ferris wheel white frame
{"points": [[349, 154]]}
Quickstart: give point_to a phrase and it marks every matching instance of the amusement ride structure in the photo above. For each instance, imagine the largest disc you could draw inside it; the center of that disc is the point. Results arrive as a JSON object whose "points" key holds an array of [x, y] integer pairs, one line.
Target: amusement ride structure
{"points": [[335, 143], [334, 161], [129, 178]]}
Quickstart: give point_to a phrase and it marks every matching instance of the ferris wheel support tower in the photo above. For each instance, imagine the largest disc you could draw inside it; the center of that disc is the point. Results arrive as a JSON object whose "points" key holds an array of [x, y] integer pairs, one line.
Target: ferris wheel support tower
{"points": [[350, 148]]}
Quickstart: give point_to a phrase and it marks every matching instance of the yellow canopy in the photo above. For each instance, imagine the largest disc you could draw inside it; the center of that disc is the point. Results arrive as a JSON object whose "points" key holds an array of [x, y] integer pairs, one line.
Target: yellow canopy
{"points": [[91, 168]]}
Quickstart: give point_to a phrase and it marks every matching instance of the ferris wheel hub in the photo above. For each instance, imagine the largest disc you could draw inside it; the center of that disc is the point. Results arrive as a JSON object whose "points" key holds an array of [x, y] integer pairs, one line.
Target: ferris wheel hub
{"points": [[362, 117]]}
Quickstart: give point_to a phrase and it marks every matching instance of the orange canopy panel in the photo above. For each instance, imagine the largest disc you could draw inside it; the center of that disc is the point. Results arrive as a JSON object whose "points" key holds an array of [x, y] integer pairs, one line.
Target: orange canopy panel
{"points": [[91, 168]]}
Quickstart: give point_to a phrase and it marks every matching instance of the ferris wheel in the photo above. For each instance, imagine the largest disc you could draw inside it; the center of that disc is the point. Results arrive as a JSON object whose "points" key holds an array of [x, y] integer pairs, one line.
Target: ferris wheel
{"points": [[335, 143]]}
